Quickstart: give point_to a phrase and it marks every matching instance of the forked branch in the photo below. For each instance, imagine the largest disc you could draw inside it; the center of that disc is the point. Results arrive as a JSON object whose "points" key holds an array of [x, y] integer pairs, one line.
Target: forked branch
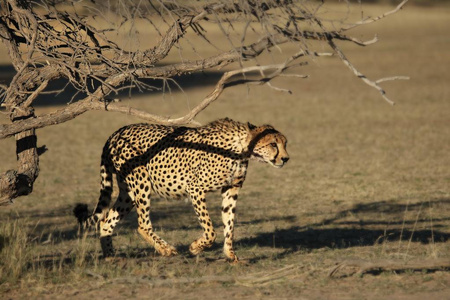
{"points": [[93, 102], [377, 18], [369, 82], [48, 43], [336, 35]]}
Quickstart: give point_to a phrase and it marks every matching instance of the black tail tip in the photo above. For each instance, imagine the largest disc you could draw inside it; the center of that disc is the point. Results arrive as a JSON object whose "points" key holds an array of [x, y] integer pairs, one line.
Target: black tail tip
{"points": [[81, 212]]}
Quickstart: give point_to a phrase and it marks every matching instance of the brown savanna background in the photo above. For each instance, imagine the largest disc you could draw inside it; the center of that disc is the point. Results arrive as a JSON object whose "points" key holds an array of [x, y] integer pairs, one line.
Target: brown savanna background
{"points": [[366, 180]]}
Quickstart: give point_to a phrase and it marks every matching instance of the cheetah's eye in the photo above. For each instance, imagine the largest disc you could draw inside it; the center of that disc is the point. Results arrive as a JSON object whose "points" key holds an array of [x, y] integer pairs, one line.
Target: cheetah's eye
{"points": [[273, 145]]}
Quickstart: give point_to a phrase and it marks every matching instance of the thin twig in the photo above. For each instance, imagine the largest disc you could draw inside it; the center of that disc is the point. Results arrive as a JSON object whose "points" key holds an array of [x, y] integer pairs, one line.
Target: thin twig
{"points": [[414, 228], [371, 20], [35, 93], [392, 78], [359, 74]]}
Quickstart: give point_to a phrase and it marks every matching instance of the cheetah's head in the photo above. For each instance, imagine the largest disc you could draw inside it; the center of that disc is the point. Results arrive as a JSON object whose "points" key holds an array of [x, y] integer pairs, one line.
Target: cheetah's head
{"points": [[268, 145]]}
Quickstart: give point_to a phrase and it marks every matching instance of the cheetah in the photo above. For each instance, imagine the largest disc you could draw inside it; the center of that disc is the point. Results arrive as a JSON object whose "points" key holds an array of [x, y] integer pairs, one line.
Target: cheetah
{"points": [[176, 162]]}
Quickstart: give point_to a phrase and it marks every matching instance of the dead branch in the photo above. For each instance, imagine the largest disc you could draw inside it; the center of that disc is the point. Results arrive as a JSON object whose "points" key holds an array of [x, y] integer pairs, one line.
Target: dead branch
{"points": [[46, 44], [377, 18], [366, 266], [12, 185], [92, 102], [392, 78], [358, 74], [337, 36]]}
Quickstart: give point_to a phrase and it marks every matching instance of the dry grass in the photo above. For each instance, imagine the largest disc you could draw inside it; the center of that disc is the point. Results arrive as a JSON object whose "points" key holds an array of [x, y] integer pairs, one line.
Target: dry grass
{"points": [[365, 180]]}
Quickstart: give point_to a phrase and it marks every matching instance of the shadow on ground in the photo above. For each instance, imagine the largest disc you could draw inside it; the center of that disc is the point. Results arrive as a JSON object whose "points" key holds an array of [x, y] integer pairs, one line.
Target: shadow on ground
{"points": [[66, 93], [345, 234], [335, 232], [296, 238]]}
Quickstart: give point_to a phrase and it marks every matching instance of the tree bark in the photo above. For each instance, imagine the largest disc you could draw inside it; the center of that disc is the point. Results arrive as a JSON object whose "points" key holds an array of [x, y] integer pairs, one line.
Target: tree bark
{"points": [[20, 183]]}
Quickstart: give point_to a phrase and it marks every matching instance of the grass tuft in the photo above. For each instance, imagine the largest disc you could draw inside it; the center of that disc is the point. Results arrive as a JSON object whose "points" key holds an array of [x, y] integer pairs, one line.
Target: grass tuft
{"points": [[15, 254]]}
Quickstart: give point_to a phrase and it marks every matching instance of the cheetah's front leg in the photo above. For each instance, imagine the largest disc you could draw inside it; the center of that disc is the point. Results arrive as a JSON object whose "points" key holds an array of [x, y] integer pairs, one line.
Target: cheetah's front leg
{"points": [[209, 235], [229, 197]]}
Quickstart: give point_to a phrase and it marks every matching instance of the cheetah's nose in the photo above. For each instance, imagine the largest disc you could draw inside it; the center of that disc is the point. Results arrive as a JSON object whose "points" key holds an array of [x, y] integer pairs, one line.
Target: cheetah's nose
{"points": [[285, 159]]}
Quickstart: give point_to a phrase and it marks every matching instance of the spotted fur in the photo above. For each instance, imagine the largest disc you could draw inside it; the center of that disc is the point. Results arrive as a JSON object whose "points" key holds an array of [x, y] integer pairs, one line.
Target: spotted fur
{"points": [[173, 162]]}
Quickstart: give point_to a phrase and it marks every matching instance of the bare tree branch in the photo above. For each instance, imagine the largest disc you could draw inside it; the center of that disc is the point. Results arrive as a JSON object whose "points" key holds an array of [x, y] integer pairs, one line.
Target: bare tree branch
{"points": [[93, 103], [330, 39], [392, 78], [35, 93], [359, 74], [46, 43], [372, 20]]}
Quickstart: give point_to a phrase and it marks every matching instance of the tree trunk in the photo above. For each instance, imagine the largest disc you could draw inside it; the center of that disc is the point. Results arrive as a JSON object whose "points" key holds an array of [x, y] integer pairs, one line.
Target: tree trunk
{"points": [[19, 183]]}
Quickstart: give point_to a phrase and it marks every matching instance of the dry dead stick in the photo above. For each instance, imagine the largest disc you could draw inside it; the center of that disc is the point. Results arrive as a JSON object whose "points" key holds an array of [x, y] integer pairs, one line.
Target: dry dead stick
{"points": [[366, 266]]}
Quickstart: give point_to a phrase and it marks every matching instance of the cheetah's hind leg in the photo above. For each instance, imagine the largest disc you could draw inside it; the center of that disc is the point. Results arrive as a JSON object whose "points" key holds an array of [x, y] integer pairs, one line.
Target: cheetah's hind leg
{"points": [[142, 193], [146, 230]]}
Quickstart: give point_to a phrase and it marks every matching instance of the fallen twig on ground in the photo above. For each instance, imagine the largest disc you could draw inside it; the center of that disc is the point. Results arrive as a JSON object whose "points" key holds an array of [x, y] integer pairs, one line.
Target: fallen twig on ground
{"points": [[366, 266]]}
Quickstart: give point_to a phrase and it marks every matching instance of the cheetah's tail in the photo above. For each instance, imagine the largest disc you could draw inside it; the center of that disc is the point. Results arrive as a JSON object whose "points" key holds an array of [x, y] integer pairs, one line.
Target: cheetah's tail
{"points": [[85, 220], [101, 211], [81, 212]]}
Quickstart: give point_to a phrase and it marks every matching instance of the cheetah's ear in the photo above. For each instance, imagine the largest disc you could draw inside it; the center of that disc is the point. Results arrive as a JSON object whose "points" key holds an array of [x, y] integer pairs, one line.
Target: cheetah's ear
{"points": [[267, 126], [250, 126]]}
